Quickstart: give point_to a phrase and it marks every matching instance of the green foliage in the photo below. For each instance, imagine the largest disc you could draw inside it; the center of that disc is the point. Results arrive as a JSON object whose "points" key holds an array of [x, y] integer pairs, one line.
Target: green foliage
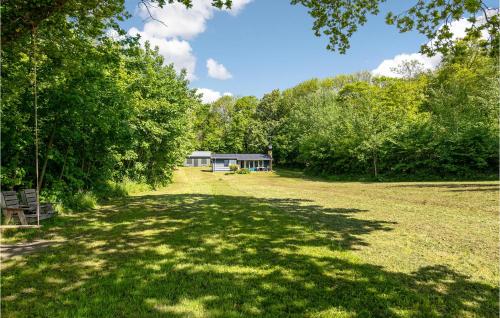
{"points": [[340, 19], [108, 110], [243, 171], [228, 125], [131, 187], [112, 189], [80, 201], [20, 17], [233, 168], [442, 124], [161, 128], [112, 117]]}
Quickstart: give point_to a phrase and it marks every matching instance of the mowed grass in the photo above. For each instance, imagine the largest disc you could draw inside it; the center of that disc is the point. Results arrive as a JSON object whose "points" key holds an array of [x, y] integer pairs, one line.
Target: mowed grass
{"points": [[266, 245]]}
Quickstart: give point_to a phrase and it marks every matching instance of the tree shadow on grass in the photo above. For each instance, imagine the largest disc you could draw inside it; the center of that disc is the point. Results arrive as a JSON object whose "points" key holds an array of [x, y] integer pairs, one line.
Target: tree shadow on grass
{"points": [[393, 179], [198, 255], [449, 185], [477, 190], [456, 187]]}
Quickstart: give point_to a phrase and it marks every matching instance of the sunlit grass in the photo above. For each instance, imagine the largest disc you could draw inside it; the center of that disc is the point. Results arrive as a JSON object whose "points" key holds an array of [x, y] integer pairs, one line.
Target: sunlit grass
{"points": [[265, 245]]}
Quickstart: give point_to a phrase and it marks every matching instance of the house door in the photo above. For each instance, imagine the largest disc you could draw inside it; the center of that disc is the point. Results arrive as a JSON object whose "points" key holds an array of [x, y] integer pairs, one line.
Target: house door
{"points": [[196, 162]]}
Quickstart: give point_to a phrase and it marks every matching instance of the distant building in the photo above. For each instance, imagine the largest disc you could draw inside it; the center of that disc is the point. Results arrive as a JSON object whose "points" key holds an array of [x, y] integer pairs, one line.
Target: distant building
{"points": [[253, 162], [221, 162], [198, 159]]}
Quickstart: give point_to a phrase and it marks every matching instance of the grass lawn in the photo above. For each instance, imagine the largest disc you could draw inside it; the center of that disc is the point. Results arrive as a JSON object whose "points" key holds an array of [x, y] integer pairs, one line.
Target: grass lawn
{"points": [[266, 245]]}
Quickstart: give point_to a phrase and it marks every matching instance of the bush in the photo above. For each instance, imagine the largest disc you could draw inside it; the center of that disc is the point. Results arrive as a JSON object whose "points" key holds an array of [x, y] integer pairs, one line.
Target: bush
{"points": [[81, 201], [132, 187], [111, 189], [233, 168], [243, 171], [65, 199]]}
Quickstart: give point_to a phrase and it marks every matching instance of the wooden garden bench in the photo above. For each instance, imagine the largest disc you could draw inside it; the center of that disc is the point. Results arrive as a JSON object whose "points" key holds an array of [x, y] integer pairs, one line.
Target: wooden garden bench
{"points": [[10, 206], [30, 199]]}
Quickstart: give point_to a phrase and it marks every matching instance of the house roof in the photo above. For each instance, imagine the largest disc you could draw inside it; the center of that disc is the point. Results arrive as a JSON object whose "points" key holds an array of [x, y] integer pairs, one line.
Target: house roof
{"points": [[241, 156], [202, 154]]}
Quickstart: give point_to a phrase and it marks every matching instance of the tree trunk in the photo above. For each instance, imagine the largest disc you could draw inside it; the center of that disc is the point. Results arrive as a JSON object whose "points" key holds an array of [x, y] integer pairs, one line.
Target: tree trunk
{"points": [[375, 165], [64, 164], [90, 166], [46, 159]]}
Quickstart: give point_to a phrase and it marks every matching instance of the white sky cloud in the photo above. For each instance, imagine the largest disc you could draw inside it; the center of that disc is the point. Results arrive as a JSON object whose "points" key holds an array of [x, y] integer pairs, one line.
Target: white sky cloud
{"points": [[178, 52], [179, 25], [238, 5], [217, 70], [386, 67], [458, 28], [177, 20], [210, 96]]}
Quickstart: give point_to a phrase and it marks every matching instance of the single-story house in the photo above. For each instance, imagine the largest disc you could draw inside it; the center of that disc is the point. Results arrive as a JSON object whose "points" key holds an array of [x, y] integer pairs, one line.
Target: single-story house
{"points": [[253, 162], [198, 159]]}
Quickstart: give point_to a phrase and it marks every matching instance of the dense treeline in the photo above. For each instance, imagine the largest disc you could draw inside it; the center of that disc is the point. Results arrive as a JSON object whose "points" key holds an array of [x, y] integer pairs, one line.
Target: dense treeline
{"points": [[424, 125], [108, 110]]}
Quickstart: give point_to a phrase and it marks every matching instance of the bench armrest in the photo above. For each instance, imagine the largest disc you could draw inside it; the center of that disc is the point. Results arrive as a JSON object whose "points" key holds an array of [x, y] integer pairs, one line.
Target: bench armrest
{"points": [[13, 209]]}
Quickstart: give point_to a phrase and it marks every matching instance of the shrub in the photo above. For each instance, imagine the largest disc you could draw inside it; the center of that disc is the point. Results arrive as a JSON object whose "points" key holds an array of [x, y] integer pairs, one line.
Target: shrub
{"points": [[132, 187], [81, 201], [233, 168], [243, 171], [111, 189]]}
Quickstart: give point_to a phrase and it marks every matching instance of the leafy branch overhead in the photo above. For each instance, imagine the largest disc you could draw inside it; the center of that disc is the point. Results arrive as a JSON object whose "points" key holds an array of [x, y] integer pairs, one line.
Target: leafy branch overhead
{"points": [[19, 17], [340, 19]]}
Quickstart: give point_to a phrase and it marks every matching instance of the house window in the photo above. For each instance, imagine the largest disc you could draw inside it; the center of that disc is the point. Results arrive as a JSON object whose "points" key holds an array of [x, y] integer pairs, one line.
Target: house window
{"points": [[226, 163], [203, 161], [190, 161]]}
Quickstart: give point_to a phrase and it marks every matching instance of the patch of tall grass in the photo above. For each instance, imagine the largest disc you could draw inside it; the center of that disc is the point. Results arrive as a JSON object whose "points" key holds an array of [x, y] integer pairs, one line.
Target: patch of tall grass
{"points": [[84, 200], [80, 201]]}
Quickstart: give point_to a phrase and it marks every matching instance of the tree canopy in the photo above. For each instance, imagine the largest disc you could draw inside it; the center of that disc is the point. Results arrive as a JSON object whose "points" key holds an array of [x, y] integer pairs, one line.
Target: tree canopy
{"points": [[438, 124], [108, 110], [112, 111], [338, 20]]}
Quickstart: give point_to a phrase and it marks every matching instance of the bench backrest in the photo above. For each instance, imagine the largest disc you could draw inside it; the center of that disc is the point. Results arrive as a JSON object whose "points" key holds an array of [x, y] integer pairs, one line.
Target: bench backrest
{"points": [[10, 199], [29, 197]]}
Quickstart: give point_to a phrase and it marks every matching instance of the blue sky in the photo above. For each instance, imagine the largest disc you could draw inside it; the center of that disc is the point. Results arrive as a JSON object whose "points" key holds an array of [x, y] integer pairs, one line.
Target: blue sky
{"points": [[262, 45]]}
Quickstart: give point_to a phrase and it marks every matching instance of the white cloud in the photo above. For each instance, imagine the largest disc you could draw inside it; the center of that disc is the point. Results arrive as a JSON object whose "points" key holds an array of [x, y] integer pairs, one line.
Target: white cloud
{"points": [[387, 66], [179, 21], [178, 52], [457, 28], [176, 19], [238, 5], [217, 70], [179, 25], [210, 96], [112, 33]]}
